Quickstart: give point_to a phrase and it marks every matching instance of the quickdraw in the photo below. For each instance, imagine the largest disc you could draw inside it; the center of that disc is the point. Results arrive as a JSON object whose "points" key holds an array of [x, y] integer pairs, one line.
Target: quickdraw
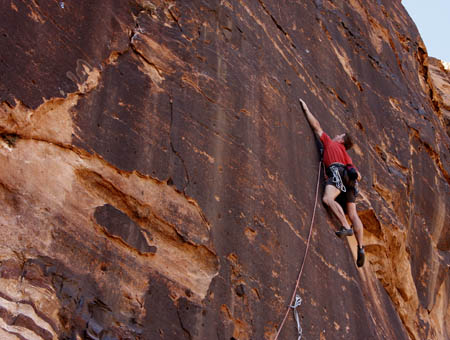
{"points": [[337, 178]]}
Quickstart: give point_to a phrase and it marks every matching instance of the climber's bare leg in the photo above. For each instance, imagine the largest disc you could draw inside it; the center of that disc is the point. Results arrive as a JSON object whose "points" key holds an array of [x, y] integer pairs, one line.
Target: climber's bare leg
{"points": [[331, 192], [356, 222]]}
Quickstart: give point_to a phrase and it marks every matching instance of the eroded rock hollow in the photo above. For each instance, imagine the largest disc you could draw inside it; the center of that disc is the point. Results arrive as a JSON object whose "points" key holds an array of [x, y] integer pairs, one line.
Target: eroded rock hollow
{"points": [[157, 175]]}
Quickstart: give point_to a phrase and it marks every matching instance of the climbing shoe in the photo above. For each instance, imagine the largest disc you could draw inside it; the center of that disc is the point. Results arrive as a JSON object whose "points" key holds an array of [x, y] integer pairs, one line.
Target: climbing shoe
{"points": [[361, 257], [344, 232]]}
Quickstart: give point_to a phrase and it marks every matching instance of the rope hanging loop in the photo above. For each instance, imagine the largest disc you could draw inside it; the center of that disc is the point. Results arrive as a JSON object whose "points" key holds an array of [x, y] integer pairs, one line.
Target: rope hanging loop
{"points": [[295, 295]]}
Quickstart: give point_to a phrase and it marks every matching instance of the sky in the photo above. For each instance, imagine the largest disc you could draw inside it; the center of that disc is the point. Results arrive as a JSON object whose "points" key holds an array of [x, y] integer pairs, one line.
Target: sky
{"points": [[432, 18]]}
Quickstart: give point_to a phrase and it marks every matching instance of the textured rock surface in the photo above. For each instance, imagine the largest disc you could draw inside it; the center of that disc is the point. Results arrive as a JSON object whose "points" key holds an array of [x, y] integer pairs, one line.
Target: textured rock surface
{"points": [[157, 176], [441, 80]]}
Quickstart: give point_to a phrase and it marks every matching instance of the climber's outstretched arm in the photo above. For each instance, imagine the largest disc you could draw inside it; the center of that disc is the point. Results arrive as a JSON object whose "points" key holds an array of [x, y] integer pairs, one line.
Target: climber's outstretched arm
{"points": [[311, 119]]}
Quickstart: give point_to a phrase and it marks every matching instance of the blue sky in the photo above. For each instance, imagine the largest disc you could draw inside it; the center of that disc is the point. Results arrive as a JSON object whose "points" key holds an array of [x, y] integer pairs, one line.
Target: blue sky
{"points": [[432, 18]]}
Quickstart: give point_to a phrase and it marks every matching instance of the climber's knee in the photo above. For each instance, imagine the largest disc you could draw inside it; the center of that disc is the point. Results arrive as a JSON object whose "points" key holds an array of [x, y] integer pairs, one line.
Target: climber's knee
{"points": [[331, 192]]}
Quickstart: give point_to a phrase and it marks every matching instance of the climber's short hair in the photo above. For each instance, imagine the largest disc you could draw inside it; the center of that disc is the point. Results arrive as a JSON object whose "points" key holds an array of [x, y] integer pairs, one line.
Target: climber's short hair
{"points": [[348, 141]]}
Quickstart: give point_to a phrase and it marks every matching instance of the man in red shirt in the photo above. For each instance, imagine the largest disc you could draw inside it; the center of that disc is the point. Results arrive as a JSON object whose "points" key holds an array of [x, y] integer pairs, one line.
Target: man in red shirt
{"points": [[341, 183]]}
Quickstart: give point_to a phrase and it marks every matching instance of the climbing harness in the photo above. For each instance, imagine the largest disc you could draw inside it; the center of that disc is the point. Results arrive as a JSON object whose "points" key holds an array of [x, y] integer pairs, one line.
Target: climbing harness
{"points": [[298, 299], [337, 178]]}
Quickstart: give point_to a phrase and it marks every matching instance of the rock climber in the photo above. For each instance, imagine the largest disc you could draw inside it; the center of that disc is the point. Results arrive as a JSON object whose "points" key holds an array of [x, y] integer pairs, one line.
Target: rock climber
{"points": [[342, 181]]}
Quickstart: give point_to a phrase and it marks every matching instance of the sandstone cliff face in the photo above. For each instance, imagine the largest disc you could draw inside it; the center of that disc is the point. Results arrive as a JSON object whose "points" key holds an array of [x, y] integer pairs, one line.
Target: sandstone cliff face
{"points": [[157, 175], [440, 76]]}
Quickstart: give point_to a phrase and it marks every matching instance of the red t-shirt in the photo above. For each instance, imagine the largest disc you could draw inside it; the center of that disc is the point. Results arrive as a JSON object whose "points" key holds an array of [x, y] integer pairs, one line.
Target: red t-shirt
{"points": [[334, 152]]}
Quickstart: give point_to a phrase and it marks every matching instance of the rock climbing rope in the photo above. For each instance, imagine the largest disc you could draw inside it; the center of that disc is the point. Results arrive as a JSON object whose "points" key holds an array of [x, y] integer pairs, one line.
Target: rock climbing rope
{"points": [[296, 296]]}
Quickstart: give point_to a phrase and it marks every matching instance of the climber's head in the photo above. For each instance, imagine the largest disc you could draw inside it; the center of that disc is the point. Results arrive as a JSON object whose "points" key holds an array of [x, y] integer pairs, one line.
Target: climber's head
{"points": [[344, 139]]}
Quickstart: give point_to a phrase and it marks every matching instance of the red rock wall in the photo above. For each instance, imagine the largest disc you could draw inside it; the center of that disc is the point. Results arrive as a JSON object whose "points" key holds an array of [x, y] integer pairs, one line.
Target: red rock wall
{"points": [[157, 175], [440, 77]]}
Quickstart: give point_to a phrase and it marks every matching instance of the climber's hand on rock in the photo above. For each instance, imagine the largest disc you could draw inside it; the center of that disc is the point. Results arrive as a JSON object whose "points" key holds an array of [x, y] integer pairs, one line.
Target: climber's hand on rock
{"points": [[303, 104]]}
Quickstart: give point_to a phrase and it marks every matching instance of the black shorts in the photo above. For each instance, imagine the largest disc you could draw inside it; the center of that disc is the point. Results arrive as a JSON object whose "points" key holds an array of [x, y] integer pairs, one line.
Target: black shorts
{"points": [[351, 187]]}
